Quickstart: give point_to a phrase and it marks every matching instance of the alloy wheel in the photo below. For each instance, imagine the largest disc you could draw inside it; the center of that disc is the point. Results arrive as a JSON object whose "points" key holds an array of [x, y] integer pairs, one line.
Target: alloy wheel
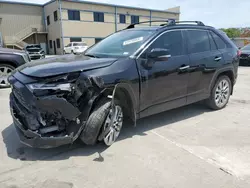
{"points": [[222, 93], [114, 123], [5, 71]]}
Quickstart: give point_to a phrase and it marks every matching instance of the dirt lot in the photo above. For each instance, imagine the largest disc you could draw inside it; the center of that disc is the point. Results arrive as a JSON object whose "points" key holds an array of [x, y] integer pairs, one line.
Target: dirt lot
{"points": [[190, 147]]}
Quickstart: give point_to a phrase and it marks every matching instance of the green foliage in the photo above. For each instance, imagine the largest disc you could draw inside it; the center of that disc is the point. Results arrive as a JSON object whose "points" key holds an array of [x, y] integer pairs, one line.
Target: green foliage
{"points": [[232, 32]]}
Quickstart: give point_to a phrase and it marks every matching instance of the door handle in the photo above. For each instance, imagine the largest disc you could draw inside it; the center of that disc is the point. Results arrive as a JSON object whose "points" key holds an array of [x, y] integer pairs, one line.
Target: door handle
{"points": [[184, 67], [217, 58]]}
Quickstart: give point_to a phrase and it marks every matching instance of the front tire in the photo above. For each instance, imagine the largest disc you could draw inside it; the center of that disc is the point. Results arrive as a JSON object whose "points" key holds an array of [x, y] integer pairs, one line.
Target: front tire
{"points": [[103, 119], [220, 93]]}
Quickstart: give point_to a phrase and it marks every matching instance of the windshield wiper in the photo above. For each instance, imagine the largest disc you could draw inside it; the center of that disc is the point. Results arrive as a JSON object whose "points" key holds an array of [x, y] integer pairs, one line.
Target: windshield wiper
{"points": [[91, 55]]}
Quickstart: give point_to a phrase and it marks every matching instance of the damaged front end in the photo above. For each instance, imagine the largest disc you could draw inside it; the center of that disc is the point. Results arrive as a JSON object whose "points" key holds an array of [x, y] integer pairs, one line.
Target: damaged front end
{"points": [[52, 111]]}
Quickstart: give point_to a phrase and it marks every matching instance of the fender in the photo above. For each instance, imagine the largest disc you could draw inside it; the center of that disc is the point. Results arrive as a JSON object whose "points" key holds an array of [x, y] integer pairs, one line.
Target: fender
{"points": [[217, 73], [4, 58], [131, 96]]}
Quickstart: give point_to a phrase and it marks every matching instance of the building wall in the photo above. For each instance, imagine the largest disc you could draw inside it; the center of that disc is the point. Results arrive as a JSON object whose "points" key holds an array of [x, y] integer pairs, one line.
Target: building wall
{"points": [[54, 29], [89, 30], [16, 18]]}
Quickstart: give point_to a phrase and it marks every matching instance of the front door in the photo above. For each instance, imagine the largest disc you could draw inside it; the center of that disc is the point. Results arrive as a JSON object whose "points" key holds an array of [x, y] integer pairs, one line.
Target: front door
{"points": [[205, 58], [54, 44], [164, 84]]}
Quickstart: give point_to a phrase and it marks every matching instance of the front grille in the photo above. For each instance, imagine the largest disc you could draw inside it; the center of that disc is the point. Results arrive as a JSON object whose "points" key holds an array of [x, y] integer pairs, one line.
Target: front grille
{"points": [[19, 96]]}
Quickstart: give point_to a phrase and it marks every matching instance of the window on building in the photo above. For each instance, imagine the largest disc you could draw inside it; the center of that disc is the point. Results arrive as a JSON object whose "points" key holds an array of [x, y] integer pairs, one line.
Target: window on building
{"points": [[135, 19], [75, 39], [172, 41], [50, 44], [55, 16], [198, 41], [97, 40], [219, 42], [122, 18], [74, 14], [98, 16], [58, 44], [48, 20]]}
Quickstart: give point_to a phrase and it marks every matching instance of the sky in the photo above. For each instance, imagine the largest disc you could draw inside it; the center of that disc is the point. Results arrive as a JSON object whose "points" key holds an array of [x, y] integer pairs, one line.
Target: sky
{"points": [[217, 13]]}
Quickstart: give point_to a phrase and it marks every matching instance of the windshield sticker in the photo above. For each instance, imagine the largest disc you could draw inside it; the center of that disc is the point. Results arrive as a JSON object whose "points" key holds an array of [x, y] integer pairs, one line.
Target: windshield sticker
{"points": [[131, 41], [125, 53]]}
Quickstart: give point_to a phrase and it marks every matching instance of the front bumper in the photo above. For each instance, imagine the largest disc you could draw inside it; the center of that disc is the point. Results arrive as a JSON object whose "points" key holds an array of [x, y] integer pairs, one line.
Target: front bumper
{"points": [[33, 138], [36, 56], [244, 61], [81, 50]]}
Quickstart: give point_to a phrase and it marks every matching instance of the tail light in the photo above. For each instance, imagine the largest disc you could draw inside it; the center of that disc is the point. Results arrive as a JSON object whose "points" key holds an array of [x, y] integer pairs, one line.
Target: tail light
{"points": [[238, 53]]}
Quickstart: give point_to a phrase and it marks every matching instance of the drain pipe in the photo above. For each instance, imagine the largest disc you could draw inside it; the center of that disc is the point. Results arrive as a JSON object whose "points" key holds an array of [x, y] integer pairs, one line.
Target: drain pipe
{"points": [[60, 10]]}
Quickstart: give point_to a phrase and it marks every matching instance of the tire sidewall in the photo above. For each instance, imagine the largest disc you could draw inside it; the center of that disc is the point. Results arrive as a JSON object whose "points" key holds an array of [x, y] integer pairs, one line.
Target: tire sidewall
{"points": [[9, 66], [214, 91]]}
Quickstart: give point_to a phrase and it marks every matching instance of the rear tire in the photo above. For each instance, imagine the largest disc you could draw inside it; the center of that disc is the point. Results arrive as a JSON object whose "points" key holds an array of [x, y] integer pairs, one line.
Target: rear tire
{"points": [[220, 93]]}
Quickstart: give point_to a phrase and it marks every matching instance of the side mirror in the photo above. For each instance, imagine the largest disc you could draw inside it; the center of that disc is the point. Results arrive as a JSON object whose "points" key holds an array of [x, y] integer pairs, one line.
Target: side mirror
{"points": [[159, 54]]}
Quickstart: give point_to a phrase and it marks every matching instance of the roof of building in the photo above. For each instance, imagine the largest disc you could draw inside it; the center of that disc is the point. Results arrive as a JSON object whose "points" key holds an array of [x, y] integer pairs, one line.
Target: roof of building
{"points": [[89, 2], [20, 3]]}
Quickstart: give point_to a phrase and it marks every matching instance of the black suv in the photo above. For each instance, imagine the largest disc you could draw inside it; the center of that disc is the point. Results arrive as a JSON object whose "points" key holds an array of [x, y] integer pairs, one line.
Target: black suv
{"points": [[130, 74], [9, 60]]}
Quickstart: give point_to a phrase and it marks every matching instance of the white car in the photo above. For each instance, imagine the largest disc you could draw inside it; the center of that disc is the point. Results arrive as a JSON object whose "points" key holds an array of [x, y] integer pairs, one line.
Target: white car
{"points": [[75, 47]]}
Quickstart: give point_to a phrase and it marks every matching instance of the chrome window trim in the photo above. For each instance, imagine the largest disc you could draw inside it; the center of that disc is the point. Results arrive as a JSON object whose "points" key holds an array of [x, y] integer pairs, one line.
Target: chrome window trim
{"points": [[147, 46]]}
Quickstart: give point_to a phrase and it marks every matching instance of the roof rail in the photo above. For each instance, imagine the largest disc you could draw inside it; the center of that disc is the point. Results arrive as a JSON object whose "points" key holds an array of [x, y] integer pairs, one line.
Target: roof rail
{"points": [[133, 25], [197, 22], [168, 22]]}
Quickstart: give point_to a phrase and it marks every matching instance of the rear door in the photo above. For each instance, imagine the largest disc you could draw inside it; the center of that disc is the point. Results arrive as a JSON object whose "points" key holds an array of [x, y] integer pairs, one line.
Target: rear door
{"points": [[205, 58]]}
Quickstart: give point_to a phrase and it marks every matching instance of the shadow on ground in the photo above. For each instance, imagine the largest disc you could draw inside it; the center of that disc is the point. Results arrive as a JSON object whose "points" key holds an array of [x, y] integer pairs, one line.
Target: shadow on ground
{"points": [[16, 150]]}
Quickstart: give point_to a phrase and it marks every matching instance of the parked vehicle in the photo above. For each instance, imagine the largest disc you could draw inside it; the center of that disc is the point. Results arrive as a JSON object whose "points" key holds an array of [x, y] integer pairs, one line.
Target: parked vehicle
{"points": [[35, 51], [131, 74], [245, 55], [9, 60], [75, 48]]}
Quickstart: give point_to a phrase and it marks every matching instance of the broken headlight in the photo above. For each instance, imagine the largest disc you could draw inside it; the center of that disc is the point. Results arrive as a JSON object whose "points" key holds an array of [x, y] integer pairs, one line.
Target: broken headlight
{"points": [[64, 83], [38, 86]]}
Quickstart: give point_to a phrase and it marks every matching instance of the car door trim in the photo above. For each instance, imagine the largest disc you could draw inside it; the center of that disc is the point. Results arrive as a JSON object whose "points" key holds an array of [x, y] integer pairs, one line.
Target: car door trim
{"points": [[145, 47]]}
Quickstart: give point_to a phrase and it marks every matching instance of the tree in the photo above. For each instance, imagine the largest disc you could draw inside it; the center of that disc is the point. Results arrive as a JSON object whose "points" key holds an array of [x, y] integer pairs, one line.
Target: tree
{"points": [[232, 32]]}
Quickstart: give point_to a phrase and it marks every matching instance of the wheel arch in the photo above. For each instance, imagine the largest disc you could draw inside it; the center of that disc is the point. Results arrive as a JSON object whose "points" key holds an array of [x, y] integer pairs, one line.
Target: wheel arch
{"points": [[124, 93], [228, 72], [8, 62]]}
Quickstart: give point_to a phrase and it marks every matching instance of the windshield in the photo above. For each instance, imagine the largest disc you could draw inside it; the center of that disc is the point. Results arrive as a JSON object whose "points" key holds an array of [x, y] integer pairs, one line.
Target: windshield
{"points": [[246, 47], [121, 44]]}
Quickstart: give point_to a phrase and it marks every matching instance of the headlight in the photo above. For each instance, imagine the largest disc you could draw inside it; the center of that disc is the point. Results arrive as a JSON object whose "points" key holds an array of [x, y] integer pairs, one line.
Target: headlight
{"points": [[64, 83], [42, 86]]}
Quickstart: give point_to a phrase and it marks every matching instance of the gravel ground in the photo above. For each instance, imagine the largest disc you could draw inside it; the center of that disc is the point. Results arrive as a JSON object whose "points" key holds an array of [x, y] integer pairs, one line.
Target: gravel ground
{"points": [[183, 148]]}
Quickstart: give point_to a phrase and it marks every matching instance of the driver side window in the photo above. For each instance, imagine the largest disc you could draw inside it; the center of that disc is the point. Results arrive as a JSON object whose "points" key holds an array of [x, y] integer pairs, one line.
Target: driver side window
{"points": [[171, 41]]}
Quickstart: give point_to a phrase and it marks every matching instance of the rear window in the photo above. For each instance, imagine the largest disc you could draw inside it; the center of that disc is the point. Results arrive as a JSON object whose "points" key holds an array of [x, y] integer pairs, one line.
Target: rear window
{"points": [[219, 41], [79, 44], [198, 41]]}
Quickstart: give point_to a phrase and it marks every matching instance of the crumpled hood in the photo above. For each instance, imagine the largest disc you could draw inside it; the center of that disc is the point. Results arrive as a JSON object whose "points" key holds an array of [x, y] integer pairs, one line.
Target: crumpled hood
{"points": [[63, 64]]}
